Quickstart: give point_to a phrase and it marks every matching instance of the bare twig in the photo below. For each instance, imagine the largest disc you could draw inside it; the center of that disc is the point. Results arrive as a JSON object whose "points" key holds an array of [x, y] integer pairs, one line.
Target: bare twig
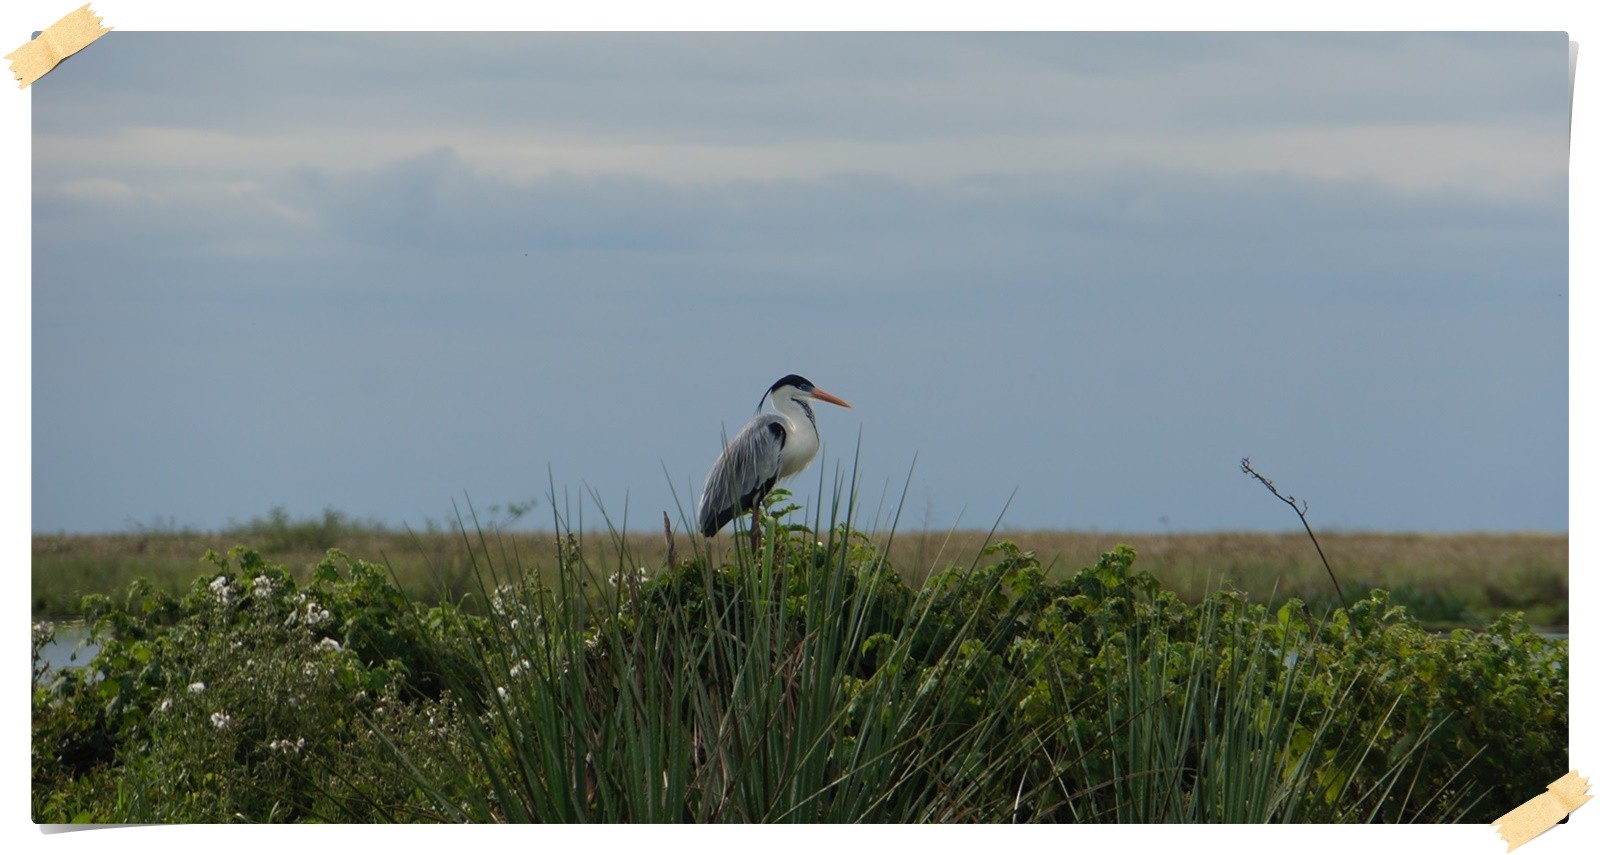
{"points": [[1300, 508]]}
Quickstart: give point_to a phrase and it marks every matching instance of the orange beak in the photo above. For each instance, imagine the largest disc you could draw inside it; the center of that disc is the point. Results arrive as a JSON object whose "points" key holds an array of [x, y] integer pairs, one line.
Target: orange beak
{"points": [[824, 396]]}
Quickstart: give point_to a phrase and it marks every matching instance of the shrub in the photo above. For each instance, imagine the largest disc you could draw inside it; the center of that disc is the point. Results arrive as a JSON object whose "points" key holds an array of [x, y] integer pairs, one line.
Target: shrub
{"points": [[249, 698]]}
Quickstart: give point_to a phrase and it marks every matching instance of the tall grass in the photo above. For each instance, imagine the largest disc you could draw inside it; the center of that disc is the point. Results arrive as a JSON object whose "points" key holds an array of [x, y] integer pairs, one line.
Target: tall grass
{"points": [[771, 689], [1237, 738]]}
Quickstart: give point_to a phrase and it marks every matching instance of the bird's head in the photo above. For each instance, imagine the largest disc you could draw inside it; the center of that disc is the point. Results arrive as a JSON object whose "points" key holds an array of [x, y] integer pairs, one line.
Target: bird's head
{"points": [[796, 388]]}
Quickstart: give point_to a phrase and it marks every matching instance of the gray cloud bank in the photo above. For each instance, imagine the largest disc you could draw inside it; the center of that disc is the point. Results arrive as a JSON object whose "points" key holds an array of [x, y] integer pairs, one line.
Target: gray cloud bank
{"points": [[1096, 269]]}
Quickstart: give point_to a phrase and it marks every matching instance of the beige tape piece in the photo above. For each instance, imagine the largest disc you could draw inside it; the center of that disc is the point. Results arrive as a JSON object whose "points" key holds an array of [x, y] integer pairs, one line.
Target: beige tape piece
{"points": [[58, 41], [1538, 814]]}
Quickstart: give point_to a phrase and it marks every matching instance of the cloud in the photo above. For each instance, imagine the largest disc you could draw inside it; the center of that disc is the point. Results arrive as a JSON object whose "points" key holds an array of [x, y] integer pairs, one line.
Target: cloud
{"points": [[1261, 233], [1089, 266], [1415, 111]]}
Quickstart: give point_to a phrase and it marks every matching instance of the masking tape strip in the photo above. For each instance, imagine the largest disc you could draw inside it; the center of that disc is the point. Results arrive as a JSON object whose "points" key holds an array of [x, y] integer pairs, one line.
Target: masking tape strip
{"points": [[58, 41], [1540, 813]]}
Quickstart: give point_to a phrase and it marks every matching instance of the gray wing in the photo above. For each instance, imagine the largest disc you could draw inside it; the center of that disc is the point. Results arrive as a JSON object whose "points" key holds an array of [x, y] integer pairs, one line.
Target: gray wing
{"points": [[743, 473]]}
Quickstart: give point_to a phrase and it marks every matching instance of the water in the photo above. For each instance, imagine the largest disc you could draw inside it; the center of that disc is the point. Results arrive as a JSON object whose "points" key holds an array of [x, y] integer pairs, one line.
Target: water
{"points": [[71, 648]]}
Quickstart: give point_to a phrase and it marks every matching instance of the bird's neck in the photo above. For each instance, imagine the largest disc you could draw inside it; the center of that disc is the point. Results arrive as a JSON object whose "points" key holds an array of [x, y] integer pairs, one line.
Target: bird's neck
{"points": [[794, 408]]}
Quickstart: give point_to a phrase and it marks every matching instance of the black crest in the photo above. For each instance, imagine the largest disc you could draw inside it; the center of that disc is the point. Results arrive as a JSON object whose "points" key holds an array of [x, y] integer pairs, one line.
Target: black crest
{"points": [[794, 380]]}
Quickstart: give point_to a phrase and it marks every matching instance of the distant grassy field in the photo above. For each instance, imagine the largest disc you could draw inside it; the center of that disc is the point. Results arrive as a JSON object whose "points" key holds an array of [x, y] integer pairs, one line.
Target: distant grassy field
{"points": [[1443, 579]]}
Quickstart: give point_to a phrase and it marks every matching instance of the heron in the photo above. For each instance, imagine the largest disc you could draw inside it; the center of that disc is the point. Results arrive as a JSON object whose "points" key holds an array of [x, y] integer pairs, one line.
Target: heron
{"points": [[769, 448]]}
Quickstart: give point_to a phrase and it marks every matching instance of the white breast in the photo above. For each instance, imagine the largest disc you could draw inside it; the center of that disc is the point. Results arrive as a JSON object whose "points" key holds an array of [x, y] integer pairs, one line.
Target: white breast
{"points": [[799, 446]]}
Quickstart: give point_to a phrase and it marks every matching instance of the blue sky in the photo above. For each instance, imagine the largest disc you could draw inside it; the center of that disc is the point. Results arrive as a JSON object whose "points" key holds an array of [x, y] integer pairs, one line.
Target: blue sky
{"points": [[337, 270]]}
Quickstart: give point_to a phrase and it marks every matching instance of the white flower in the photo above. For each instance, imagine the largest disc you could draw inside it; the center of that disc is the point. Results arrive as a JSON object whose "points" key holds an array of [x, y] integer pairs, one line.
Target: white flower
{"points": [[286, 746], [632, 576], [196, 687], [315, 614], [503, 693], [263, 585], [221, 589], [329, 644], [520, 667], [221, 719], [166, 704]]}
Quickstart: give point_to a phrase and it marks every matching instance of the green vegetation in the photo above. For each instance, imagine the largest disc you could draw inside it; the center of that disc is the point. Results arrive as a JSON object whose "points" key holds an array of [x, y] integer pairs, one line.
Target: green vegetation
{"points": [[1445, 581], [807, 682]]}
